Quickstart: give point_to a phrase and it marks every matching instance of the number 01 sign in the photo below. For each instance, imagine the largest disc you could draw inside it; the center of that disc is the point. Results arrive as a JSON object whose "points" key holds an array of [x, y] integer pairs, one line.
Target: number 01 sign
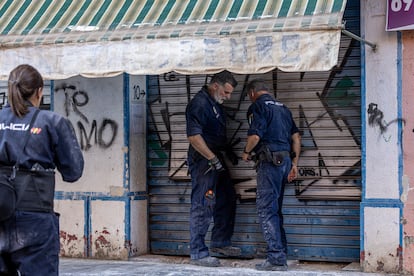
{"points": [[400, 15]]}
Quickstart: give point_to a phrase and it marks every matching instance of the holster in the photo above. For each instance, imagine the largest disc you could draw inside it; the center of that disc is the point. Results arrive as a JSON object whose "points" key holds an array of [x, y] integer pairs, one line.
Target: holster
{"points": [[276, 157]]}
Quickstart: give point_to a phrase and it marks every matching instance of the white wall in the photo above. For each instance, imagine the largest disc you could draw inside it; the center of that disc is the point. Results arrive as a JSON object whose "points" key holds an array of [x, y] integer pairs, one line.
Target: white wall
{"points": [[380, 203], [104, 214], [138, 164], [86, 102]]}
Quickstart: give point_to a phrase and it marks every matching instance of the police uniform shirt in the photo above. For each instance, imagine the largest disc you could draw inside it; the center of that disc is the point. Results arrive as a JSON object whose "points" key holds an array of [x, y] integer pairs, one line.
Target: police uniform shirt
{"points": [[206, 117], [52, 143], [272, 122]]}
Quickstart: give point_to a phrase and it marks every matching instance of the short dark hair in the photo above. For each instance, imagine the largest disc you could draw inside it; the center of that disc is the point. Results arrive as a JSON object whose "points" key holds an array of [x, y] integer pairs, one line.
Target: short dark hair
{"points": [[224, 77], [257, 85]]}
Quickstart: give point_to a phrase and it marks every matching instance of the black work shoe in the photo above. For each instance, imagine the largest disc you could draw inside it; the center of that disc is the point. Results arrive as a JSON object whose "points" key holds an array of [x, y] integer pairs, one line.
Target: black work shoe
{"points": [[267, 266], [226, 251], [206, 261]]}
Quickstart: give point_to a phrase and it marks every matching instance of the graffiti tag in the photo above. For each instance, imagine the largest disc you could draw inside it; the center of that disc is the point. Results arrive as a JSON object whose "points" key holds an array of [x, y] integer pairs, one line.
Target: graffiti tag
{"points": [[89, 132]]}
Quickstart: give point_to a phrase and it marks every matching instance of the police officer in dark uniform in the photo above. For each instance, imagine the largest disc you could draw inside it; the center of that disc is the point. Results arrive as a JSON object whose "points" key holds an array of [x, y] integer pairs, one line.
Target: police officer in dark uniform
{"points": [[275, 139], [29, 240], [213, 193]]}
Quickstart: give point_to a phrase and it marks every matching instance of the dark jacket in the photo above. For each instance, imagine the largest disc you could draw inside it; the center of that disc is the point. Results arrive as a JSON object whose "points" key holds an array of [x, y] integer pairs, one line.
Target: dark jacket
{"points": [[272, 122], [52, 143], [206, 117]]}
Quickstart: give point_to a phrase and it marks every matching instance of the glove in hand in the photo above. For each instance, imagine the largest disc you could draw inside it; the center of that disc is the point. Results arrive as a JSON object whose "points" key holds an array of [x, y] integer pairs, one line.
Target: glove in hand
{"points": [[216, 164]]}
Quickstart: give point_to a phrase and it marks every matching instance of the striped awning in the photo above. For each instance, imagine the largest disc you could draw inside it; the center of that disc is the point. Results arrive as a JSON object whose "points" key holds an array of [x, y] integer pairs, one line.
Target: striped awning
{"points": [[103, 37]]}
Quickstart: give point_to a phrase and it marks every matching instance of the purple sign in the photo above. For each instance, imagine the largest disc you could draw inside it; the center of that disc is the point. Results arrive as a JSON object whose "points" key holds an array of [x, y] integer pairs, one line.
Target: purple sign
{"points": [[400, 15]]}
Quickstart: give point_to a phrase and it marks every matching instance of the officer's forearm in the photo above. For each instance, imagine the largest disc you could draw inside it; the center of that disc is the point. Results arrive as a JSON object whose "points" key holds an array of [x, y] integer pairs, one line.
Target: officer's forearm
{"points": [[200, 145], [296, 147], [252, 141]]}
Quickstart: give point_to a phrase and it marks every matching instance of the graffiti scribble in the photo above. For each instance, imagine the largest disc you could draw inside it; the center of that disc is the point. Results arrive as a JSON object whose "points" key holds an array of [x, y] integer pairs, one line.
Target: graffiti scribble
{"points": [[74, 99], [90, 133], [376, 117]]}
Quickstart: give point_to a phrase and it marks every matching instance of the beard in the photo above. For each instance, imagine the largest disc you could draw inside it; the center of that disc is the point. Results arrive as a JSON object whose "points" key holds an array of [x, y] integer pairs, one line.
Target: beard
{"points": [[218, 98]]}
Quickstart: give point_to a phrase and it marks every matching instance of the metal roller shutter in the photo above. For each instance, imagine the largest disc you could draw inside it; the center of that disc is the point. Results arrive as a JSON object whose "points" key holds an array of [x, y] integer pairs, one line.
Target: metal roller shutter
{"points": [[321, 210]]}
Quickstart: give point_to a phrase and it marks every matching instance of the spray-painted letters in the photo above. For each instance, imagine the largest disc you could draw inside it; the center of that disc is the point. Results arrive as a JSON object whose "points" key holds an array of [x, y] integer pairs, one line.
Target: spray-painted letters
{"points": [[102, 133]]}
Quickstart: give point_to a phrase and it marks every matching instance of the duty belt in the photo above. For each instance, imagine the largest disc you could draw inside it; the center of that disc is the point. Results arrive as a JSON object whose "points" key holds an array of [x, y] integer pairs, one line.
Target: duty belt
{"points": [[273, 156], [35, 189]]}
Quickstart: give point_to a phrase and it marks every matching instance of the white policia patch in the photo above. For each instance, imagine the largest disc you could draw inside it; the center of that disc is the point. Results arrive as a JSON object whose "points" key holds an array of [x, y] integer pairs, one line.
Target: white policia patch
{"points": [[11, 126], [215, 112], [273, 103], [250, 119]]}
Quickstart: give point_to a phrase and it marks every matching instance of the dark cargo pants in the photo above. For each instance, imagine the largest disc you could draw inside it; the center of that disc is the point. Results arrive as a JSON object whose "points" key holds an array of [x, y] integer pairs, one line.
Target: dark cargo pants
{"points": [[29, 243], [221, 209], [271, 181]]}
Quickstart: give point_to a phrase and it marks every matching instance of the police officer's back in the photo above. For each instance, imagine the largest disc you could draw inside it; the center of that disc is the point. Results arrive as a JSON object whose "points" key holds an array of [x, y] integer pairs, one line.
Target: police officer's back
{"points": [[29, 240]]}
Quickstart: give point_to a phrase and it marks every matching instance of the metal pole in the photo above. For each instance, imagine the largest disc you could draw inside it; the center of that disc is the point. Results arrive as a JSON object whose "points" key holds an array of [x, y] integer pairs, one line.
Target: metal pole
{"points": [[354, 36]]}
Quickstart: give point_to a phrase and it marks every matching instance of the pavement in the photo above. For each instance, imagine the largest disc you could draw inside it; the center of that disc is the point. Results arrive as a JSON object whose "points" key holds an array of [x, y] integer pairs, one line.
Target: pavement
{"points": [[179, 265]]}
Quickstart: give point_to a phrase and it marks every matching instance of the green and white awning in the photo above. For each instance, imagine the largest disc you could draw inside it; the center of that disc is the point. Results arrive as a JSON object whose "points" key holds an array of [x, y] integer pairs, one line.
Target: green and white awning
{"points": [[103, 37]]}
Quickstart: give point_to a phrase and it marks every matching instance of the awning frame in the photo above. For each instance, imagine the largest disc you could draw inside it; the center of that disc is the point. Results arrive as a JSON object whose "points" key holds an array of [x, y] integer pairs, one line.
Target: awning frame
{"points": [[360, 39], [158, 36]]}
